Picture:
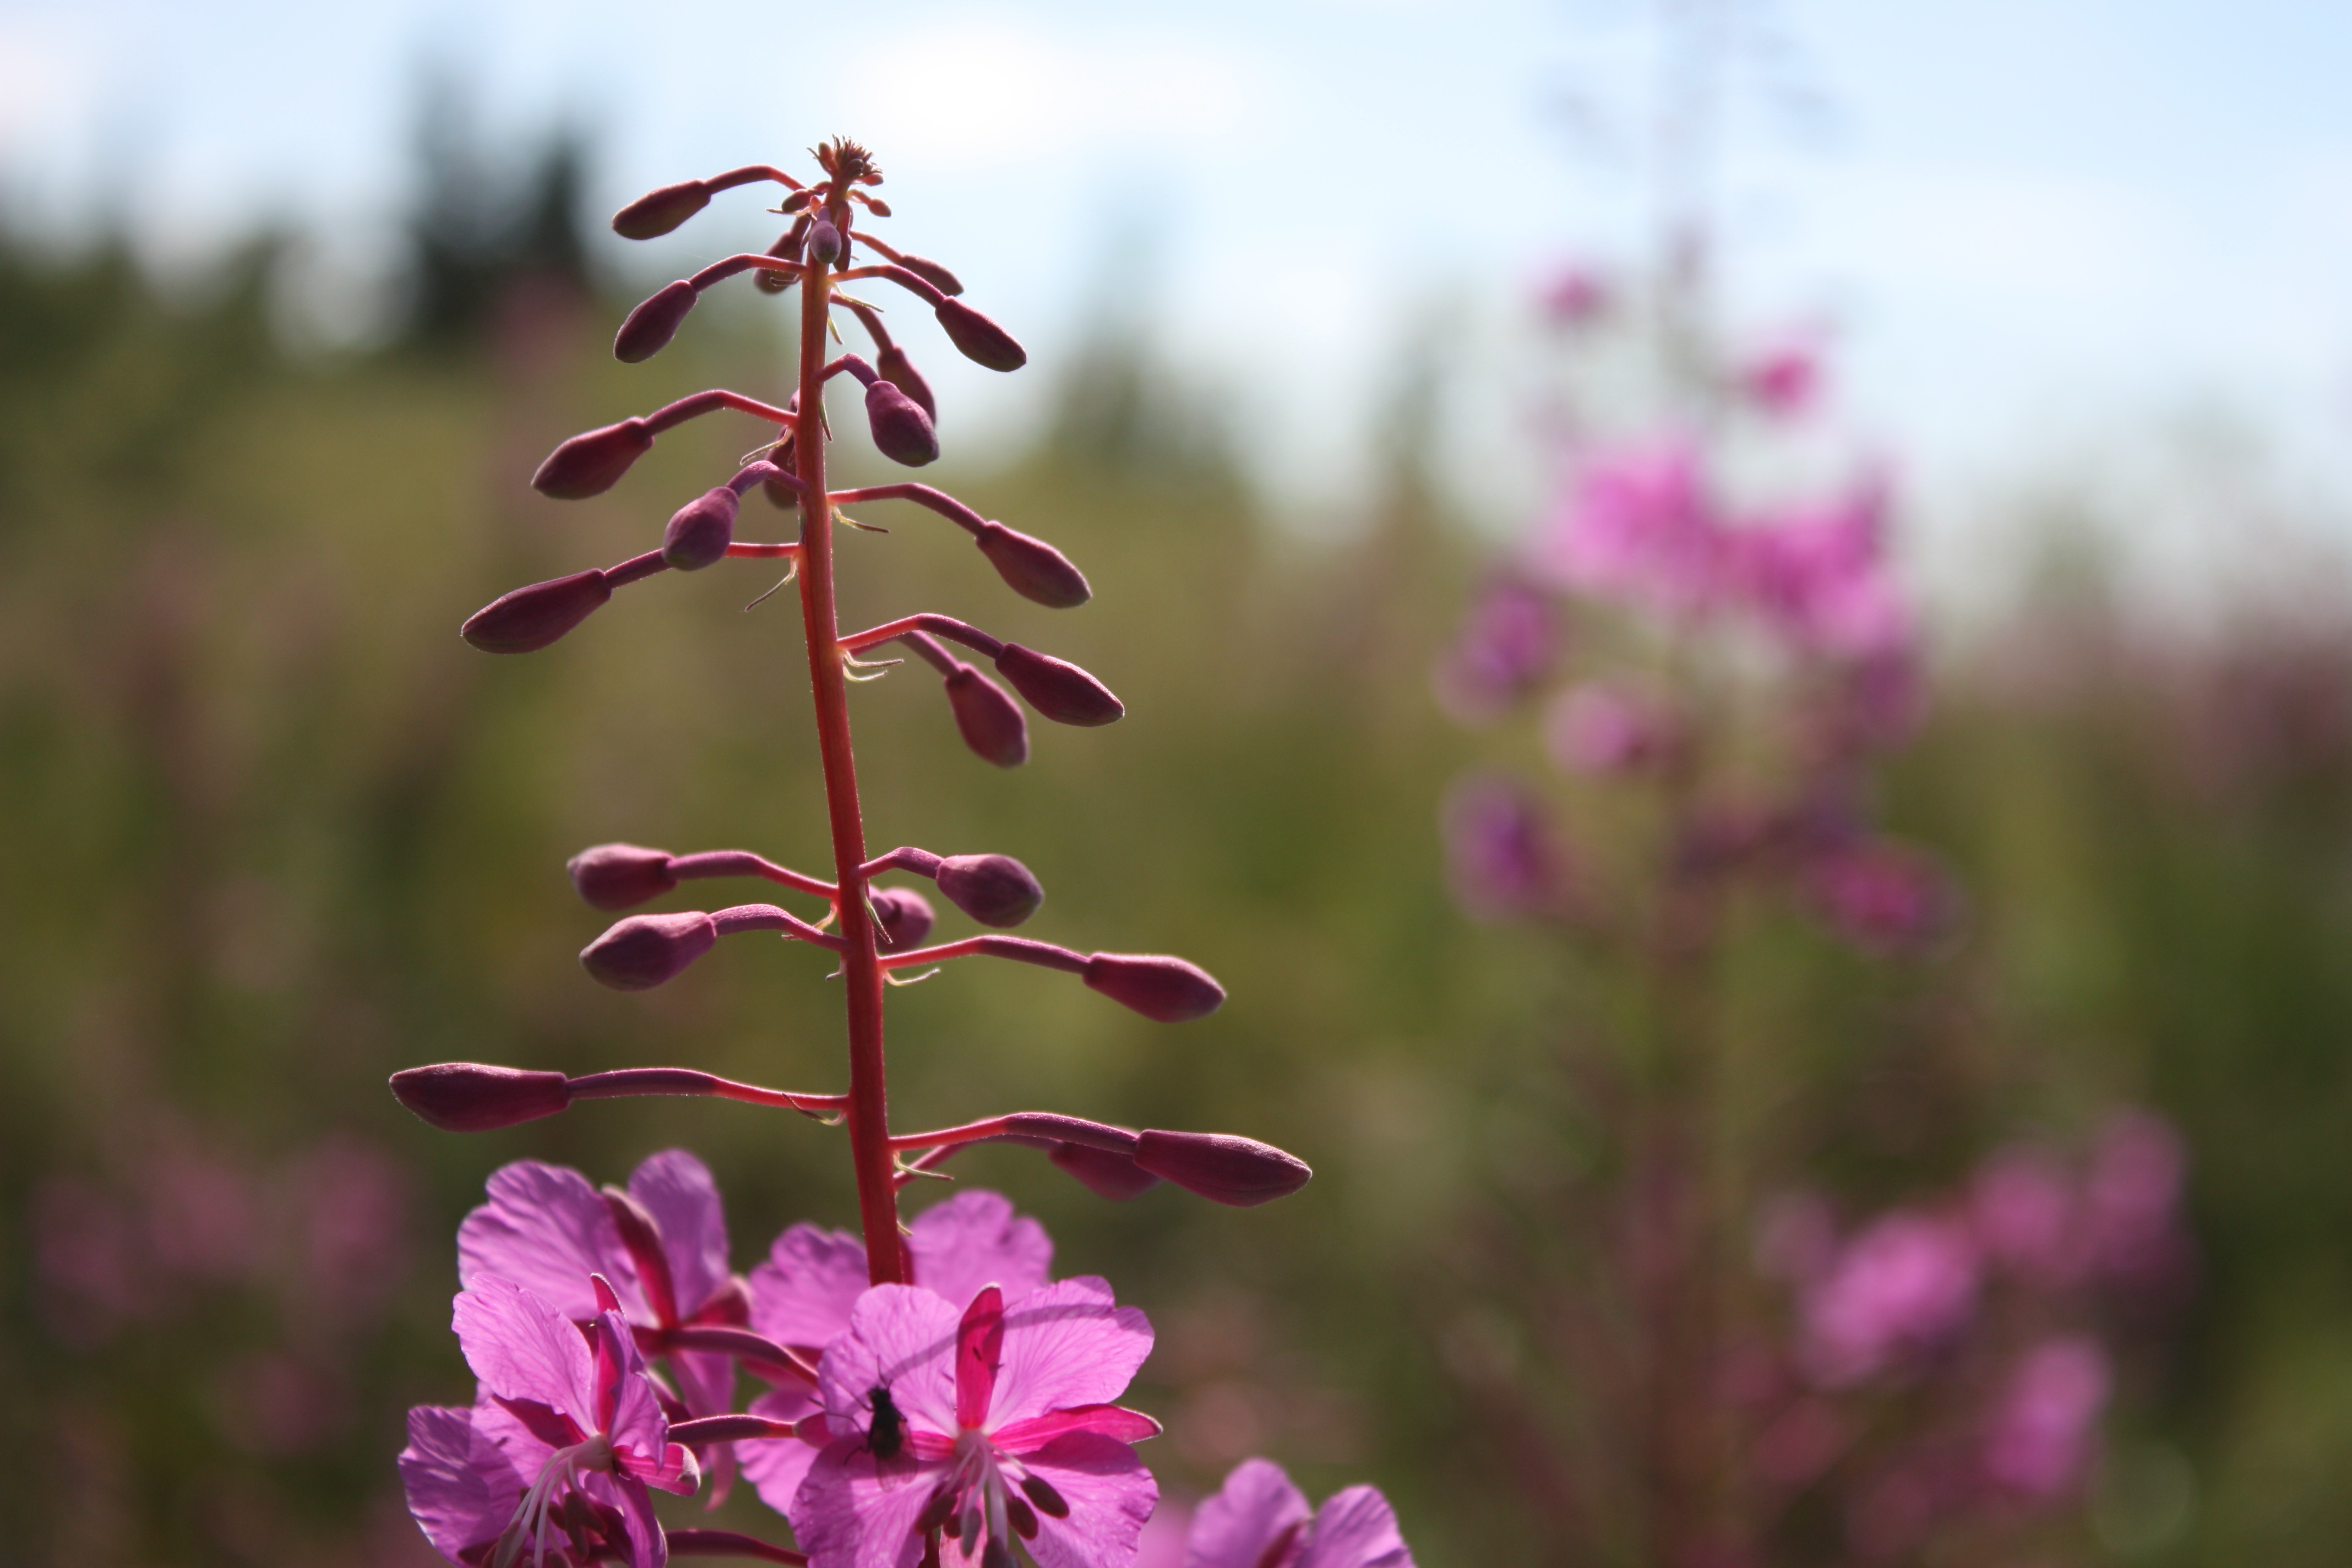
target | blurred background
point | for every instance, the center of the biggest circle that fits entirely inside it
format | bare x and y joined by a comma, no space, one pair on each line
291,303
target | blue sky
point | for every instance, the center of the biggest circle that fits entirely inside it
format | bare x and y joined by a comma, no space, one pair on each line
2041,231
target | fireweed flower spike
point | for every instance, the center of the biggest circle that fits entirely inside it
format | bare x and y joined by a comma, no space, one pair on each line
1258,1520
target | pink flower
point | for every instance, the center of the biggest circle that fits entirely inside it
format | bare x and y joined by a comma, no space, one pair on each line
1258,1520
560,1451
1820,577
801,1297
1575,296
1505,646
1904,1285
1501,852
1164,1535
1604,727
1783,380
2044,1428
1881,897
2131,1200
1638,526
963,1433
2024,1209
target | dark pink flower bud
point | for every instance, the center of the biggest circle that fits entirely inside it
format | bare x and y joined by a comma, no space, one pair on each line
468,1097
900,372
991,722
980,340
1220,1166
640,952
932,272
1033,568
1155,985
658,212
1108,1175
824,242
592,461
905,915
902,431
700,531
995,890
653,322
620,876
530,619
782,495
1056,688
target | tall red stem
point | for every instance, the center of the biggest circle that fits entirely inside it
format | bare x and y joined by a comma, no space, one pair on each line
869,1109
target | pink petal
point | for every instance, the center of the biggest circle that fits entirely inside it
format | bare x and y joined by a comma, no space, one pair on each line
648,1547
851,1513
802,1294
677,1190
706,1382
901,1338
1254,1510
980,1348
1068,1344
1110,1420
461,1486
974,1239
1110,1495
522,1349
547,1229
776,1467
1356,1529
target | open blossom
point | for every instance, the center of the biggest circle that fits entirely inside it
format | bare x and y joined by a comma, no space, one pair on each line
1783,380
1638,525
1819,575
2046,1422
950,1436
1905,1284
554,1462
801,1297
1258,1520
1604,727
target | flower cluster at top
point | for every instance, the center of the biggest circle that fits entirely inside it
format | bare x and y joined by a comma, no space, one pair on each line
934,1398
943,1420
1641,538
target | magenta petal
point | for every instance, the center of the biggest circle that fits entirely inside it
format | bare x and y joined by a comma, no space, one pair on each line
638,1429
1356,1529
522,1348
1109,1420
902,1337
1068,1344
775,1467
545,1228
802,1294
1110,1495
974,1239
648,1547
1254,1510
461,1486
850,1513
980,1349
677,1189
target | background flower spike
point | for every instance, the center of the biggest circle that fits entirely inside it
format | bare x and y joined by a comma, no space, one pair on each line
1222,1167
1108,1175
593,462
621,876
656,213
1057,688
649,328
471,1096
642,951
1155,984
527,619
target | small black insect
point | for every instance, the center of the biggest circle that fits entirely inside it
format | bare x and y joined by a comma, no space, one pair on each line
886,1433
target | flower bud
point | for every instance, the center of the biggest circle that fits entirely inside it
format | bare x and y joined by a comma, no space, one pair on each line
658,212
1033,568
932,272
468,1097
1057,688
995,890
527,619
900,372
1222,1167
782,495
905,915
824,242
991,722
1108,1175
700,531
902,431
653,322
618,876
592,461
980,340
640,952
1155,985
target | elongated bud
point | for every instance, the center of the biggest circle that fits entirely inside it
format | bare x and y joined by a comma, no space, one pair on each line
653,322
700,531
640,952
980,340
527,619
1155,985
469,1096
1108,1175
619,876
900,372
932,272
824,242
906,917
991,722
1056,688
1033,568
902,431
995,890
592,461
658,212
1221,1167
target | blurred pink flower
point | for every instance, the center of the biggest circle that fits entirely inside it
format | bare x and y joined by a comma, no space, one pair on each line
1576,296
1903,1286
1881,897
203,1220
1259,1520
2024,1207
2131,1199
1500,851
1637,526
1505,646
1819,575
1784,380
2045,1423
88,1256
354,1225
1164,1536
1604,728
